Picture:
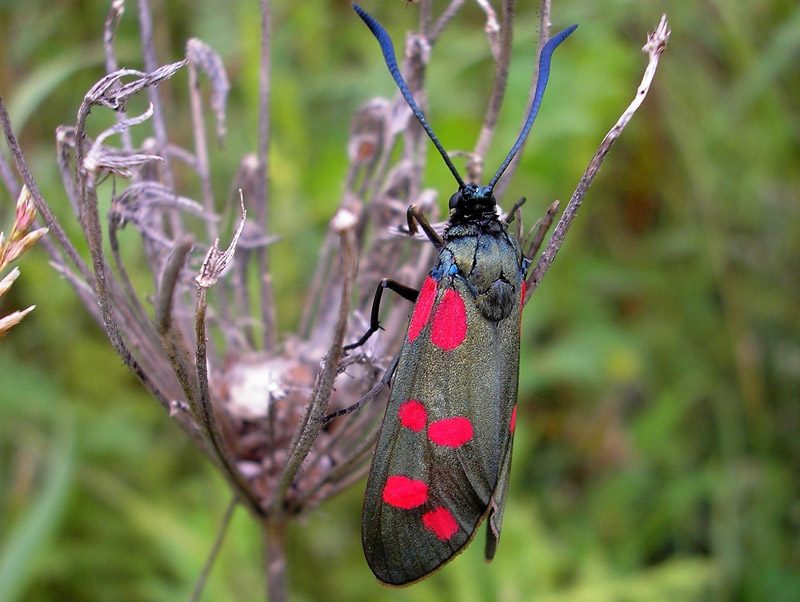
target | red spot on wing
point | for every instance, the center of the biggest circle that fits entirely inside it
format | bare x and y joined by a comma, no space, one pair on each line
413,415
513,424
422,309
450,432
441,522
524,289
403,492
449,327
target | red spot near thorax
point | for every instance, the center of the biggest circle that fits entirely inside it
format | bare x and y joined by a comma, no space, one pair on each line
513,424
440,522
412,415
449,327
422,309
404,492
450,432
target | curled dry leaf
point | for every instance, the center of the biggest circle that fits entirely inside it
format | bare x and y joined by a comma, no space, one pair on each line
107,93
102,158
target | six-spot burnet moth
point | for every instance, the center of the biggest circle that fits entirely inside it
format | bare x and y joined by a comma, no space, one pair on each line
444,450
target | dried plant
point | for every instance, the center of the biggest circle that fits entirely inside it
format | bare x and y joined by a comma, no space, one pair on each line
204,342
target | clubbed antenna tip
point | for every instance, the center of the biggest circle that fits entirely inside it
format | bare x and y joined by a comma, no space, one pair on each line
541,84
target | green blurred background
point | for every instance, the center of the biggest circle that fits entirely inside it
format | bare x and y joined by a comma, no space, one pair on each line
658,448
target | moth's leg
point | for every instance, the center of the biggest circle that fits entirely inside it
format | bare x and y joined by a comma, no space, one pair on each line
414,216
370,395
374,323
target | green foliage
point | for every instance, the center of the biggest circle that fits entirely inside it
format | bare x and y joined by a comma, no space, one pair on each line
657,452
45,437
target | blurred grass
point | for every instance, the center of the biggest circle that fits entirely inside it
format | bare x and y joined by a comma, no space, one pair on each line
657,453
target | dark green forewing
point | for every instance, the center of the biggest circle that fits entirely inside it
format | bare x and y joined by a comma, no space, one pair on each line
444,451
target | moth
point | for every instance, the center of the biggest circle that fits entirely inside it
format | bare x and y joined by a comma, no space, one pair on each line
442,460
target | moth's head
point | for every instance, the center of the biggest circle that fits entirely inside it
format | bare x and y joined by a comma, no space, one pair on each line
472,201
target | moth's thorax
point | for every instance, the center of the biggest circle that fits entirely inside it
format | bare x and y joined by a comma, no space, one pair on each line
488,259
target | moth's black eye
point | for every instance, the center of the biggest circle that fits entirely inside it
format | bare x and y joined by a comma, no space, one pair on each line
454,200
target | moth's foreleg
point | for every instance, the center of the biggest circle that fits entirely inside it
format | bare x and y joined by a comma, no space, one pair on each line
414,216
374,323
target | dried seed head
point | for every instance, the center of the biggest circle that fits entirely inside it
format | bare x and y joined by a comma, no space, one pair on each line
26,212
8,280
14,249
11,320
20,240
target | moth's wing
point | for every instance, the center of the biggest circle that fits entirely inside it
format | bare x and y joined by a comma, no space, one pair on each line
497,504
445,436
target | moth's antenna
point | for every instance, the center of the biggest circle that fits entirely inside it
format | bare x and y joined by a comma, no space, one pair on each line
541,84
391,62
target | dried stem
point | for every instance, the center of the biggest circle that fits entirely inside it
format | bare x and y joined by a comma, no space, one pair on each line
159,122
262,178
492,27
539,230
360,454
219,538
544,35
201,149
425,16
214,266
316,410
275,560
443,20
113,18
41,207
90,221
174,347
209,424
169,280
502,60
7,177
